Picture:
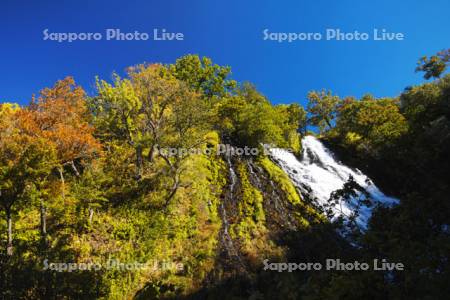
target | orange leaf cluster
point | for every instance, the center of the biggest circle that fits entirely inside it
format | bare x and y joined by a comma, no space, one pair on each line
60,115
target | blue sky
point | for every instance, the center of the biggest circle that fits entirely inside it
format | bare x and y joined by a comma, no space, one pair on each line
231,33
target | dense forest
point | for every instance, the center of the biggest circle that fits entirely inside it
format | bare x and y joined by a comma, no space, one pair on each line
92,180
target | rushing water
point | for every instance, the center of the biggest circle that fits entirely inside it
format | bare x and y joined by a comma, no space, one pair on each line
317,174
229,202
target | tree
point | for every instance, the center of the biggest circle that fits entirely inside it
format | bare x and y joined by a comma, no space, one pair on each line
293,122
202,76
61,116
426,103
297,117
371,122
322,108
117,115
434,66
89,190
152,110
24,160
249,119
171,111
351,194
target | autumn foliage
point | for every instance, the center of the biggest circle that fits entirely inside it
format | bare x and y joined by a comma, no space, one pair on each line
60,115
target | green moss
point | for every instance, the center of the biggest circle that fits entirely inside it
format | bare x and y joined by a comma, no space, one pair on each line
250,227
139,232
282,180
251,203
294,142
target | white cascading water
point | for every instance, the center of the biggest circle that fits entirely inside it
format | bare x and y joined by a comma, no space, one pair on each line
318,174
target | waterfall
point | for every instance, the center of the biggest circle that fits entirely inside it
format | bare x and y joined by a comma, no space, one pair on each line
232,177
227,210
317,174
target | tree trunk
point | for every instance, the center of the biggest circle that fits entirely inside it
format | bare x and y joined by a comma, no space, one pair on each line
173,190
151,153
43,219
74,168
139,162
91,215
63,184
328,123
9,247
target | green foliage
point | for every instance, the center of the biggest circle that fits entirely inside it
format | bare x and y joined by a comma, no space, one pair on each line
116,110
403,144
322,109
426,103
74,198
294,121
297,116
25,160
248,119
371,123
203,76
434,66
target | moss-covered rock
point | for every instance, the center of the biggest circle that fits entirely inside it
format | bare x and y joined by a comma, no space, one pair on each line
305,213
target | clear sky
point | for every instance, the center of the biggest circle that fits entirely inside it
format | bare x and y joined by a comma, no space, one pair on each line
231,33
